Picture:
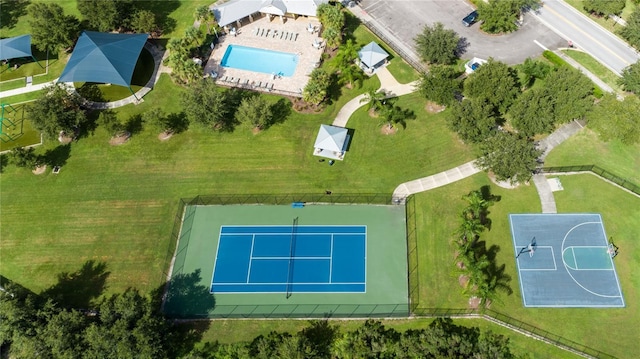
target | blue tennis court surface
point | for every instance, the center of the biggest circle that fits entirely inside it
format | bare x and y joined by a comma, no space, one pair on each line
279,259
570,265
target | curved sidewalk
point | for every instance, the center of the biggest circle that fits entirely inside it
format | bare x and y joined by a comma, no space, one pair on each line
388,83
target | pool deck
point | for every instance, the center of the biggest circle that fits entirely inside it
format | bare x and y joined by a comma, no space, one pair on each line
308,55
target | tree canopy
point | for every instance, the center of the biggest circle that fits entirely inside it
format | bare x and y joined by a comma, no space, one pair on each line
533,112
571,92
473,120
315,92
630,79
255,111
51,29
614,119
437,45
56,110
604,7
206,104
494,82
631,32
500,16
440,84
509,156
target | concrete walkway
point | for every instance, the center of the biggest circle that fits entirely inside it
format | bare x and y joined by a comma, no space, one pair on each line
26,89
468,169
388,84
438,180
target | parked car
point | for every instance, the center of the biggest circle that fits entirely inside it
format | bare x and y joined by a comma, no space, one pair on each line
470,19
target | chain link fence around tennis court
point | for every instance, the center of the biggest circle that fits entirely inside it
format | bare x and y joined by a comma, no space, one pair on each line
599,171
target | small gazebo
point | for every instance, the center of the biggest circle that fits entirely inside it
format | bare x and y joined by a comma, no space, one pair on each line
331,142
371,57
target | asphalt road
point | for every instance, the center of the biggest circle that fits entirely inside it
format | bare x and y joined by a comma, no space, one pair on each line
587,35
406,19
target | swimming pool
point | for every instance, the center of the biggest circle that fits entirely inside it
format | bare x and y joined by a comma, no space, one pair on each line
259,60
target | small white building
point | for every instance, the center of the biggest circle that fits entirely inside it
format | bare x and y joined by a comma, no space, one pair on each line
234,12
332,142
473,64
372,57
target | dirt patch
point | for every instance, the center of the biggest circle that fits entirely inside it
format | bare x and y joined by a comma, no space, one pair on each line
386,130
165,136
474,302
256,130
39,170
373,113
463,280
120,139
432,107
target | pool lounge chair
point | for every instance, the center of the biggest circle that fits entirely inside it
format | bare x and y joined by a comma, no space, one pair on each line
267,34
238,81
225,79
270,87
281,34
286,35
261,32
256,32
246,83
259,84
296,38
231,80
265,86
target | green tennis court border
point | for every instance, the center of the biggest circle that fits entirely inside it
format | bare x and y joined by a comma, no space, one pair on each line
199,220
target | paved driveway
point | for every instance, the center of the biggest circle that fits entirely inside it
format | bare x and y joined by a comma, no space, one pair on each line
405,19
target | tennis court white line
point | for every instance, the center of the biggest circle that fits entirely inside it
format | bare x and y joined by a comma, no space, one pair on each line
286,283
331,259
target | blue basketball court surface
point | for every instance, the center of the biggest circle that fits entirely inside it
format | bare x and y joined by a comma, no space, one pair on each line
279,259
563,260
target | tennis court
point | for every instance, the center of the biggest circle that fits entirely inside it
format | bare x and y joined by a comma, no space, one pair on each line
290,259
277,261
564,260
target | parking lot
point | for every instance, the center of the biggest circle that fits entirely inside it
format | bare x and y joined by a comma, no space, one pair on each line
406,19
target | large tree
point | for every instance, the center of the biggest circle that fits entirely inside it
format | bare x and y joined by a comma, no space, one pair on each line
440,84
630,79
51,29
255,111
500,16
604,7
534,69
104,15
473,120
614,119
509,156
144,21
571,92
55,111
206,104
494,82
437,45
533,112
631,32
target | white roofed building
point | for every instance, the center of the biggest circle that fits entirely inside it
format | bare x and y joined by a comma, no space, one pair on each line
234,12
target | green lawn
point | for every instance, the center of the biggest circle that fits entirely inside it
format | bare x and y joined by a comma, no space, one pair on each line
116,204
585,148
583,193
591,64
21,133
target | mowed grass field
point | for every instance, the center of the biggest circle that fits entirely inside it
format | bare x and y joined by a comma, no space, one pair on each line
115,205
582,193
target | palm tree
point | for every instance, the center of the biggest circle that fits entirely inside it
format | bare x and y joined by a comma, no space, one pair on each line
394,115
375,99
477,204
350,74
347,53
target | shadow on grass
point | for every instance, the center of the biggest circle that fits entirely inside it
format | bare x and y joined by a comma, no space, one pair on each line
57,156
80,288
4,161
11,11
134,124
280,110
161,9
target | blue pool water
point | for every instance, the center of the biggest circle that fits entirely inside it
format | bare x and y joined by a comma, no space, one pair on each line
259,60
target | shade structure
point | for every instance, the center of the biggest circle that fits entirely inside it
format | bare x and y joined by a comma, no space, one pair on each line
104,58
372,55
331,142
15,47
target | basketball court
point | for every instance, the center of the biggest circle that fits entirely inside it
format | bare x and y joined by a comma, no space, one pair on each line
565,260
